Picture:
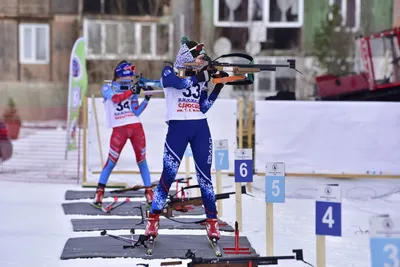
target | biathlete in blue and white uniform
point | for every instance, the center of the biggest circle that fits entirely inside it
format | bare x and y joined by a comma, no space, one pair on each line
187,102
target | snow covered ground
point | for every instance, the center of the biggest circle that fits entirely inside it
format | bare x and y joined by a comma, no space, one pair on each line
34,228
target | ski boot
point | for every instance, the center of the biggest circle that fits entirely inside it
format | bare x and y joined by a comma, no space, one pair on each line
212,227
149,194
98,197
152,225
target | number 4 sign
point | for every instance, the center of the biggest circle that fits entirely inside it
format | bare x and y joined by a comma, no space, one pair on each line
384,241
328,217
243,165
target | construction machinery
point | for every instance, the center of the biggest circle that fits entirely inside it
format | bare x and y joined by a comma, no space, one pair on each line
377,76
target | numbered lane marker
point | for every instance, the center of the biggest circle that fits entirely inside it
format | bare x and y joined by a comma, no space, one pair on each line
384,241
188,151
221,154
328,217
274,193
243,165
275,182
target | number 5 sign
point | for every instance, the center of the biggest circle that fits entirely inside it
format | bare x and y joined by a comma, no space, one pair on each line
384,241
243,165
328,217
275,182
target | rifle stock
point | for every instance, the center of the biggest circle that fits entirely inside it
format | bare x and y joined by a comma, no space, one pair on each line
153,184
197,201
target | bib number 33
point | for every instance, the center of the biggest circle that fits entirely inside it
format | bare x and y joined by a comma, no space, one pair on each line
193,91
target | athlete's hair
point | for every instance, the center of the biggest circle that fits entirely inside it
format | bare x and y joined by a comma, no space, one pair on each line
115,70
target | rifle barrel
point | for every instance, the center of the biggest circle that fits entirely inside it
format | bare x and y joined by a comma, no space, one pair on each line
265,67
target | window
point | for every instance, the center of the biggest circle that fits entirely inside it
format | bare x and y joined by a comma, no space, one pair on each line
34,43
256,13
268,24
125,7
129,40
350,11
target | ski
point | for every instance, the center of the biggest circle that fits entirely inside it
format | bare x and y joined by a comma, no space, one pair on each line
111,206
215,247
116,204
121,238
102,208
112,203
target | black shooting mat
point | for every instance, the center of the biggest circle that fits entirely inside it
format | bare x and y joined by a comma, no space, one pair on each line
127,209
89,194
127,224
167,246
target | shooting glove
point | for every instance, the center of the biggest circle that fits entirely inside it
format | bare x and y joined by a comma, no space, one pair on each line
147,88
205,75
223,74
135,89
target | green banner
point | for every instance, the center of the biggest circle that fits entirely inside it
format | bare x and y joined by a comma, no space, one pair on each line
78,83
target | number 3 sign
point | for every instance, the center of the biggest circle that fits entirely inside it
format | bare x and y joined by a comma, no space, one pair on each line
243,165
384,241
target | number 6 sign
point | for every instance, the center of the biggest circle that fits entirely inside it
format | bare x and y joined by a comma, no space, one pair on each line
243,165
384,241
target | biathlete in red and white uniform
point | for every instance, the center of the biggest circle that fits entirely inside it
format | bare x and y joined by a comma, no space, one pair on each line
122,109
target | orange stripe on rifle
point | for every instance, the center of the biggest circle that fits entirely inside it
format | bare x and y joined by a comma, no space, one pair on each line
228,79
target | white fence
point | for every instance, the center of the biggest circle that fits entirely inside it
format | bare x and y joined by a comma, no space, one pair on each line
222,119
328,138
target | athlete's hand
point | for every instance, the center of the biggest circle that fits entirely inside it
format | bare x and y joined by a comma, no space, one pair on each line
204,76
223,74
136,89
148,88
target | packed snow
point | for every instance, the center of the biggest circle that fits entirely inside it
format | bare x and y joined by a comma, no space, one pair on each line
34,228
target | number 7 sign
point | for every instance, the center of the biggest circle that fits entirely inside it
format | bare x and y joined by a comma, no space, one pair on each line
221,155
328,210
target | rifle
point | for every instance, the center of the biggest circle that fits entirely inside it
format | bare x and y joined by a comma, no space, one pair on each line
243,74
142,83
153,184
245,260
173,203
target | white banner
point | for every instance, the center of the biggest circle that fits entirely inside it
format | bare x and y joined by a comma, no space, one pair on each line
222,120
329,137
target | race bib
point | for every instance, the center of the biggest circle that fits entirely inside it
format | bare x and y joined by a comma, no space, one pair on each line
189,100
123,110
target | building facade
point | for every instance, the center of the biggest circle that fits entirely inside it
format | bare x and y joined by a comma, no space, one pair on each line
38,35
